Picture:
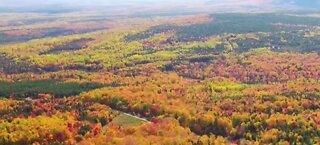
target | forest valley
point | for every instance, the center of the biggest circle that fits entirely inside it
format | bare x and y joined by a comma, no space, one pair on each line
228,78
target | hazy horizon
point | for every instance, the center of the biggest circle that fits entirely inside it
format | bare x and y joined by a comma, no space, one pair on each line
132,5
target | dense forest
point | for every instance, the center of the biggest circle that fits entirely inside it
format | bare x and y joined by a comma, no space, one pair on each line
227,78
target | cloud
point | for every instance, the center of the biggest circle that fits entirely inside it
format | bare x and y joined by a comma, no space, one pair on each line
241,2
256,2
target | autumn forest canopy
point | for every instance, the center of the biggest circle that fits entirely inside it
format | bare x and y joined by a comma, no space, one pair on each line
190,73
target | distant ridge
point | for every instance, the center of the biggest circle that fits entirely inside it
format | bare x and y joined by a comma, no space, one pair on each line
61,6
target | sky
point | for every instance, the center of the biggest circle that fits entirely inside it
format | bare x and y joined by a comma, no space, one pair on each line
90,2
196,4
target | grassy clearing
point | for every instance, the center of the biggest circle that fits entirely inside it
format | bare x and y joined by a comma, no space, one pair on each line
127,121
